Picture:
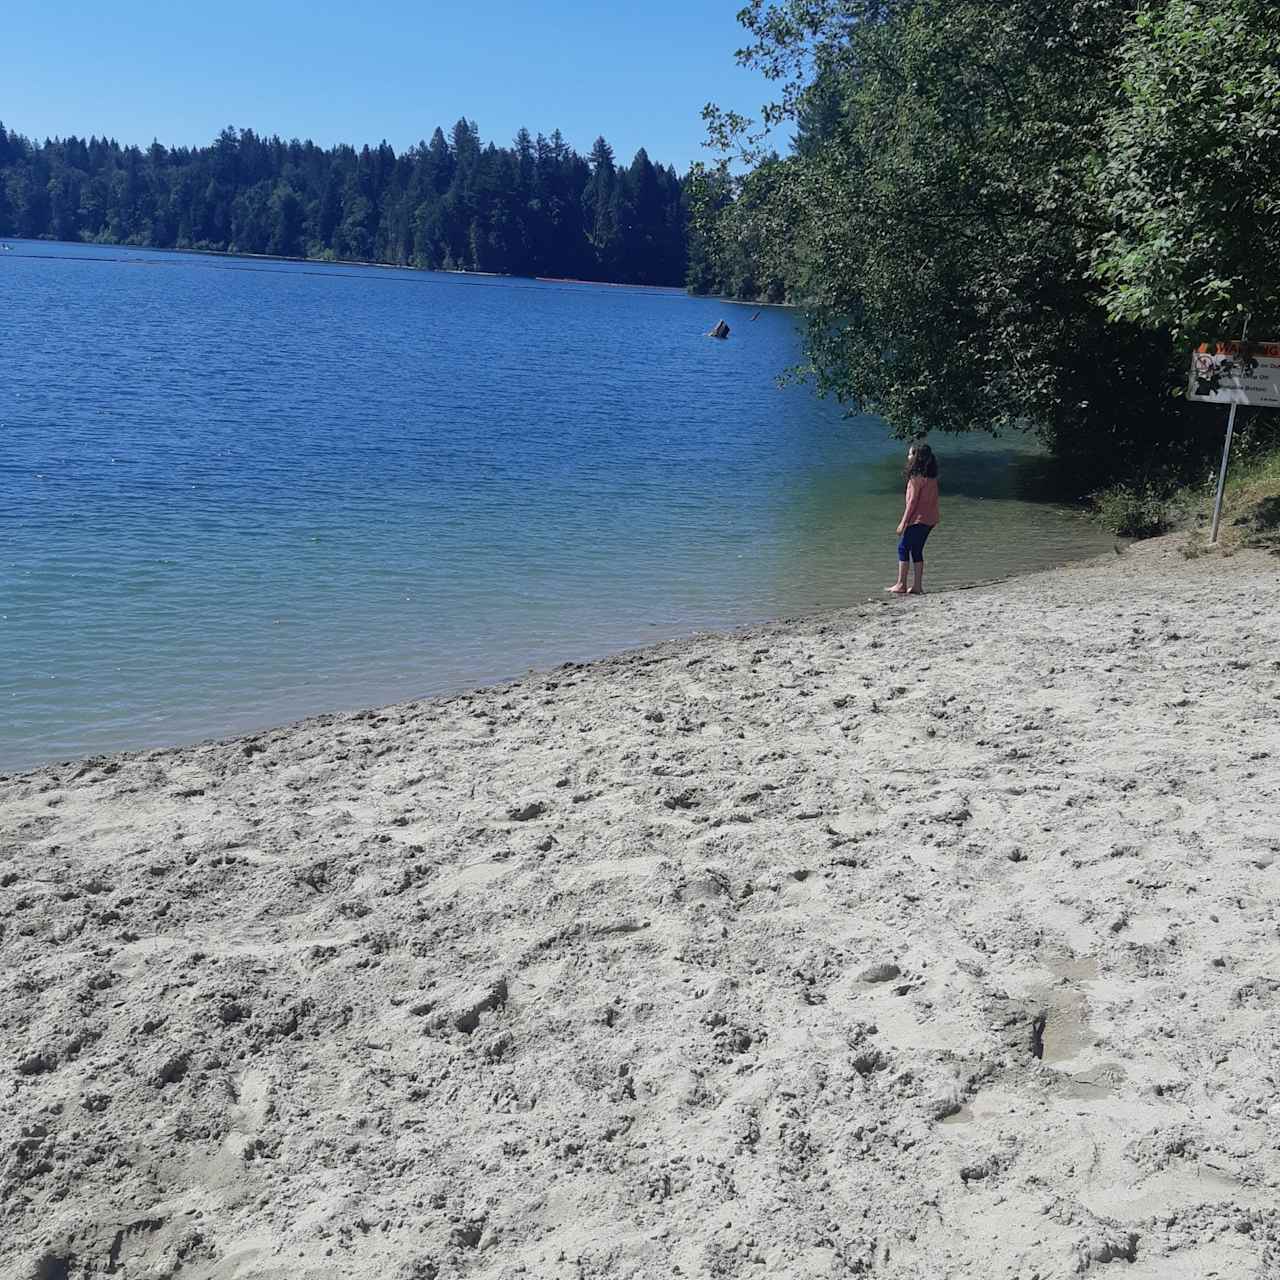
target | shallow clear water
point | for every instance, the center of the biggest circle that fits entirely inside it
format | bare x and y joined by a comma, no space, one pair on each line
236,492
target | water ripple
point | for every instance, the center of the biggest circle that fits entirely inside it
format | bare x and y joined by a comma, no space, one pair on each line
237,493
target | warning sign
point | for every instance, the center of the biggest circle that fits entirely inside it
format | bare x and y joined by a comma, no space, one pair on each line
1236,373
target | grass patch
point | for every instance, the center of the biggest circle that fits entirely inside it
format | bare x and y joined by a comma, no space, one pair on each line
1250,506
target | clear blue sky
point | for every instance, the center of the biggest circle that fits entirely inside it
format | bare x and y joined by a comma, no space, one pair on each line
638,73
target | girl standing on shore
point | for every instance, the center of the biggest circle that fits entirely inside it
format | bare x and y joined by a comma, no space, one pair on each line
918,518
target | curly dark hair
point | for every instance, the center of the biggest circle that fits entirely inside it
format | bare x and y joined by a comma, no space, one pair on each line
921,462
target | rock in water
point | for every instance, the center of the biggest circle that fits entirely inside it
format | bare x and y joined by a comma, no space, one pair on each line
719,330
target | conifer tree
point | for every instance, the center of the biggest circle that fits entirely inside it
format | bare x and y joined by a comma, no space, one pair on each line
536,207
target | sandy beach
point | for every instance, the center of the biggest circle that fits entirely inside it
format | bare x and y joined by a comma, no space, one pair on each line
929,938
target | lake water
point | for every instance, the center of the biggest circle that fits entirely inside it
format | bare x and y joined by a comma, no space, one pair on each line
236,492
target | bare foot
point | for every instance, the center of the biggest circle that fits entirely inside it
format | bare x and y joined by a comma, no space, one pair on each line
915,591
897,589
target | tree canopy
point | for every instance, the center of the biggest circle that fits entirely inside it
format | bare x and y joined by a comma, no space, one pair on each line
1007,215
535,208
1189,176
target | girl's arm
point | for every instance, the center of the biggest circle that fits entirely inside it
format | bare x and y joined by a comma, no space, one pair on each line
911,509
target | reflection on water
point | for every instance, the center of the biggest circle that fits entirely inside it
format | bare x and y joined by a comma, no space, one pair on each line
839,522
243,492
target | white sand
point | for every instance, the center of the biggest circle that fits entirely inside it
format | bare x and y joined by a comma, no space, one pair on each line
936,938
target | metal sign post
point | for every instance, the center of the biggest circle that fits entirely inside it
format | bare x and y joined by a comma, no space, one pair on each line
1222,475
1226,451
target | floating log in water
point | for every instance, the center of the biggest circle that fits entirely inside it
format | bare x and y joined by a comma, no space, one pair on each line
719,330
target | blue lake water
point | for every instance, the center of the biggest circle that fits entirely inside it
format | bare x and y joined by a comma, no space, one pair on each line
236,492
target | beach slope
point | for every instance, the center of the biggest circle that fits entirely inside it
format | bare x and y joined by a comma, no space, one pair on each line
931,938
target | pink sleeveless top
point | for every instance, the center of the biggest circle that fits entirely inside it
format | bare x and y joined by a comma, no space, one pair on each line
922,501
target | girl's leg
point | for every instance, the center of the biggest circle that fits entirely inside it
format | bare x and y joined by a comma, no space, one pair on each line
922,532
899,588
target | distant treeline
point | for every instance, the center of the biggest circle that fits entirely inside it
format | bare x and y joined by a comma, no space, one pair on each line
535,208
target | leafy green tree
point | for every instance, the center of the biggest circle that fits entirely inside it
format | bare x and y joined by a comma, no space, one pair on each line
938,218
819,112
710,193
743,249
1190,175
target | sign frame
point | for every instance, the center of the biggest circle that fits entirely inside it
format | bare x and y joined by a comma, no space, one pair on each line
1252,373
1241,372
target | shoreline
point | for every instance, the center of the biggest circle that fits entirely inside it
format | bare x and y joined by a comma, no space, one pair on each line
350,262
920,937
637,650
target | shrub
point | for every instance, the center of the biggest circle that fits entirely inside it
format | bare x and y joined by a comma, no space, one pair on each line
1132,511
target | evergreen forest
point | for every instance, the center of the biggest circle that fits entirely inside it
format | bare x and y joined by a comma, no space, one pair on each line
1010,215
534,208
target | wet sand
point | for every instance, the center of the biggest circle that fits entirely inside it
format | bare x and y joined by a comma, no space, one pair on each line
928,938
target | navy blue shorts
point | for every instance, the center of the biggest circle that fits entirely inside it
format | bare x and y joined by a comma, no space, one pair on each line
911,547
